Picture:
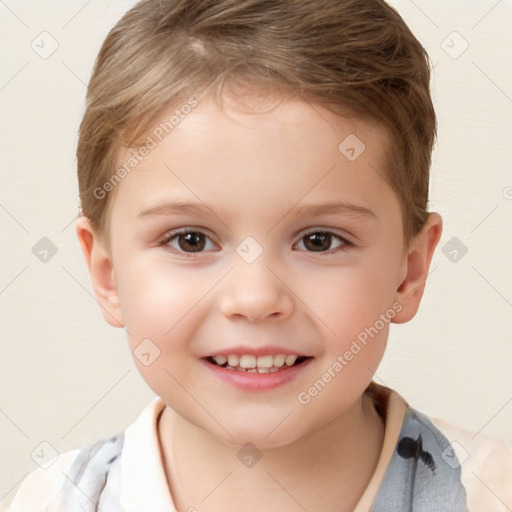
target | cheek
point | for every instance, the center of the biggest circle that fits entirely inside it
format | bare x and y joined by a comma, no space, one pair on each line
347,300
156,295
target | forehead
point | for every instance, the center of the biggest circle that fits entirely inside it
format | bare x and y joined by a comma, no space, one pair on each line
282,151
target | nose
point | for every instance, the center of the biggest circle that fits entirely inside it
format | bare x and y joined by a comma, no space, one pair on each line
254,292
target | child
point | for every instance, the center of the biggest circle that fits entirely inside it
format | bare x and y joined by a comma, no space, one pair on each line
254,185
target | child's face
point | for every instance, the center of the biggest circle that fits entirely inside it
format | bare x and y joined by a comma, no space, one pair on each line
264,196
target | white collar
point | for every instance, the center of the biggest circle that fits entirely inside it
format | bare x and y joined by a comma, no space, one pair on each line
144,484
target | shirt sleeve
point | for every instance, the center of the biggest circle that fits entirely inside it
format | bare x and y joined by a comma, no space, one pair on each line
486,468
39,486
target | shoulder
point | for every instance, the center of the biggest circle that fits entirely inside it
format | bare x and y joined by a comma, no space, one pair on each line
486,467
74,480
39,486
100,468
452,468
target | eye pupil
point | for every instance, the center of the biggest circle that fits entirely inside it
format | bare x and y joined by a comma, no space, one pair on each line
318,241
191,242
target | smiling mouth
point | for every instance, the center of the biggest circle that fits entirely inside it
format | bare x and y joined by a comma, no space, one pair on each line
259,364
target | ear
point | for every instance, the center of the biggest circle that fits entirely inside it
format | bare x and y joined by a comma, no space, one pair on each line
101,270
417,264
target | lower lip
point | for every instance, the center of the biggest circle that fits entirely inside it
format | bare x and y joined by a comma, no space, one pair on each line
249,381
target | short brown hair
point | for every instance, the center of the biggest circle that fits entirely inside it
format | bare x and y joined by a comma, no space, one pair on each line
355,54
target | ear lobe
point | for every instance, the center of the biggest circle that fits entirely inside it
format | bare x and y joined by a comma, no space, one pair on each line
101,270
420,253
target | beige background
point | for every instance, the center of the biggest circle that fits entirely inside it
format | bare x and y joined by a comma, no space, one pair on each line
68,378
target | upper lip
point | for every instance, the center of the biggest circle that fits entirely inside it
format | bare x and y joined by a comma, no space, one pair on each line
260,351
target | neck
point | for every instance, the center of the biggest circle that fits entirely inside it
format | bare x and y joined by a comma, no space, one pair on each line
328,469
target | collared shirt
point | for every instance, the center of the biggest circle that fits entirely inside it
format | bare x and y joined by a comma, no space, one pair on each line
425,465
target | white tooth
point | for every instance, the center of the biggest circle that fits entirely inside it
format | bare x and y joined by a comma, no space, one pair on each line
220,360
263,370
251,370
233,360
290,360
247,361
279,360
229,368
273,369
265,361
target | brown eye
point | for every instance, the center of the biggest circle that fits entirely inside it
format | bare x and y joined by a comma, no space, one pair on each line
318,241
189,242
321,241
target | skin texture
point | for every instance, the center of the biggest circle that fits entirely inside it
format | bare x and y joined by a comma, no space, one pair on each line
254,167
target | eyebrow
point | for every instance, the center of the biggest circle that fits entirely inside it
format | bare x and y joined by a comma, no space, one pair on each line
333,208
200,209
175,207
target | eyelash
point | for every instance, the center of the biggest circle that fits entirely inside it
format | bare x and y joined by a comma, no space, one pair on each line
345,244
174,234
